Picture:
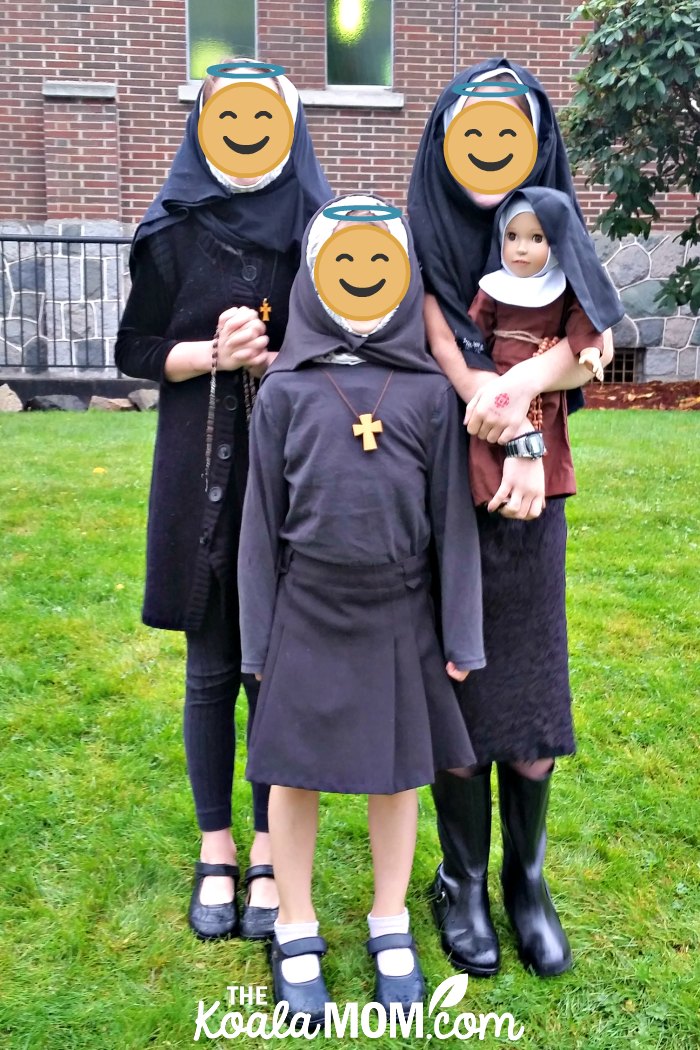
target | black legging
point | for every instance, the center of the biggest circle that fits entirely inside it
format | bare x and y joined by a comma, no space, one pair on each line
213,679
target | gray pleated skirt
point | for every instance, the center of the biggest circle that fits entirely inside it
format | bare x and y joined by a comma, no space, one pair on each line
518,707
355,697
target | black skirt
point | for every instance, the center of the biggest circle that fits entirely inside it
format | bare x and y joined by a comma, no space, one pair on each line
355,697
518,707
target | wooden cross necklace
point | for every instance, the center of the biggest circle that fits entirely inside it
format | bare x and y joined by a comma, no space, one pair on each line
367,426
249,273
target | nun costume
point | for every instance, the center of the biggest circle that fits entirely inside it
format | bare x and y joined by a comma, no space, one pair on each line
518,709
334,585
205,245
452,233
333,564
571,296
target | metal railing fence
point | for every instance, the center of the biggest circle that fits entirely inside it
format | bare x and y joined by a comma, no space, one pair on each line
60,301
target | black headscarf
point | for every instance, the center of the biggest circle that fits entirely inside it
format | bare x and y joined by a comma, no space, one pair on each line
273,217
573,248
452,233
311,332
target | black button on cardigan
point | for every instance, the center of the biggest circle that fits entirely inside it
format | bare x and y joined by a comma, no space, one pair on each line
182,280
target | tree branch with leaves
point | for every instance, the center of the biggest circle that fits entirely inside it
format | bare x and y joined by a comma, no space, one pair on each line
634,124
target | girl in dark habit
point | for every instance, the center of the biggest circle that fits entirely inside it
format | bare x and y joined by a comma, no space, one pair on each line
517,717
214,254
335,604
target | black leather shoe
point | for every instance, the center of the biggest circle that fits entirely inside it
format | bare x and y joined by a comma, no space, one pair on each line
459,893
305,997
258,924
402,990
213,921
543,946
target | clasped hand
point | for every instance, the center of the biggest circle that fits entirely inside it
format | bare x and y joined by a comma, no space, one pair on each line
242,339
498,413
521,492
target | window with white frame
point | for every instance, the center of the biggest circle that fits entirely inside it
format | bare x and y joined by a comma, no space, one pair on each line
359,42
216,28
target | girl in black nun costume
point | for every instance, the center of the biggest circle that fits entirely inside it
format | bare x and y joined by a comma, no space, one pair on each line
210,252
335,603
523,550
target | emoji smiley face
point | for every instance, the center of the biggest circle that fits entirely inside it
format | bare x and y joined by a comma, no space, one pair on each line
246,129
490,147
362,272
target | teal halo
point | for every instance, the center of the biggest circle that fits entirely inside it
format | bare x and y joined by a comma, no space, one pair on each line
378,211
270,70
479,89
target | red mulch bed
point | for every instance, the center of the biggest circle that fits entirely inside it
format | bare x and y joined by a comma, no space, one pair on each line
683,396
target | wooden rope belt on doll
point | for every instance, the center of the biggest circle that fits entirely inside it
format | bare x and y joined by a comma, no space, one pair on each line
534,413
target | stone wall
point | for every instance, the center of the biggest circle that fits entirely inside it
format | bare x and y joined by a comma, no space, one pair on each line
669,336
43,328
60,303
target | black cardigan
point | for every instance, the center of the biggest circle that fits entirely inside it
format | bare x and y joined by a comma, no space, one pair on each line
182,281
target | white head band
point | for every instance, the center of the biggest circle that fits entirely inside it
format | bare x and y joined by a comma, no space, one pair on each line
322,229
291,96
461,100
505,286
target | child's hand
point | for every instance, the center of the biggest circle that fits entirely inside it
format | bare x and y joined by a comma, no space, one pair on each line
497,410
258,678
452,671
590,357
521,492
260,367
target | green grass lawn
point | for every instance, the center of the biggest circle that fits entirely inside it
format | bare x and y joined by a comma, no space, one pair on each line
96,821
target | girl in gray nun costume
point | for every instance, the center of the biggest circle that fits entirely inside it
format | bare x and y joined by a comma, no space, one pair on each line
336,614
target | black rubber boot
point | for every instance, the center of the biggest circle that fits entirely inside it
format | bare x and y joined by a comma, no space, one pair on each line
460,901
542,944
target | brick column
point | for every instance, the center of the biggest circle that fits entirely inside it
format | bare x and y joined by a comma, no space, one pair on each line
81,149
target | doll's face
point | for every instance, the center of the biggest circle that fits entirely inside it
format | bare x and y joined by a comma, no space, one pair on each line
525,247
362,273
245,129
490,147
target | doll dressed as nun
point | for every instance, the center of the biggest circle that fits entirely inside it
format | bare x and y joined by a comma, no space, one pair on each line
357,468
550,284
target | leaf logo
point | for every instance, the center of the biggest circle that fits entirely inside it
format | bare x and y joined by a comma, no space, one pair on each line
453,989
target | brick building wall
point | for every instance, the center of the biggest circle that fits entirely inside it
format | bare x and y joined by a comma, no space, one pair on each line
105,156
93,105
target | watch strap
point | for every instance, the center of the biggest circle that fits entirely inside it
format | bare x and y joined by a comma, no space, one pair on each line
527,446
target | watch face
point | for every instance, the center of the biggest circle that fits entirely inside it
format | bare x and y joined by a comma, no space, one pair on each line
534,445
527,446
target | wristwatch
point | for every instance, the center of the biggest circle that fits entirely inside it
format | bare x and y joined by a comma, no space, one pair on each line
527,446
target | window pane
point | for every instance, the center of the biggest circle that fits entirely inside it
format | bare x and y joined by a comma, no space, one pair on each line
359,42
218,28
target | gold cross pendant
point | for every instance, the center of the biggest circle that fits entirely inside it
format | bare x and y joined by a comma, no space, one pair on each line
265,310
366,429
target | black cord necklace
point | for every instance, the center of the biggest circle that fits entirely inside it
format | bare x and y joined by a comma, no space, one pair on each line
367,426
